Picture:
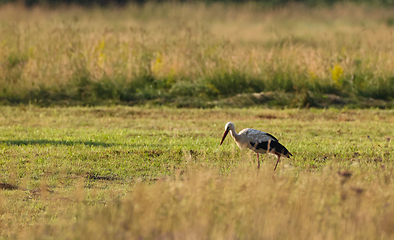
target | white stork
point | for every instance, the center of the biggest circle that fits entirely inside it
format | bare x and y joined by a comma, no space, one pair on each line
257,141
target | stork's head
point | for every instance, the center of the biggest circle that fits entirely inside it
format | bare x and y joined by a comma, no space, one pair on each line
229,126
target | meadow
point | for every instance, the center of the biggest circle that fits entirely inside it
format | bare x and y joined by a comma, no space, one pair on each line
155,170
159,173
198,55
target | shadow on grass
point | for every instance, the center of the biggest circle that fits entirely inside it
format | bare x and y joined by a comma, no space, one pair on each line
57,142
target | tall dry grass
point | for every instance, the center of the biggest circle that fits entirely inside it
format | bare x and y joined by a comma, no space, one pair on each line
245,204
165,51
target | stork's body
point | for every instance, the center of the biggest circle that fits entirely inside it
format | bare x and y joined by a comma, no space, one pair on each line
257,141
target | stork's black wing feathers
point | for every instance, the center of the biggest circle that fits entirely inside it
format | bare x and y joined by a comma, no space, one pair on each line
272,136
274,146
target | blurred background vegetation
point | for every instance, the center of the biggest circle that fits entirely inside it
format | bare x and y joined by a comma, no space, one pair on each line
30,3
197,54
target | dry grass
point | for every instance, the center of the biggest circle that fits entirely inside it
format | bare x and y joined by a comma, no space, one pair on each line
166,50
251,205
244,204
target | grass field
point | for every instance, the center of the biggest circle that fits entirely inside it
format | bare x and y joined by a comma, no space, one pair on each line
137,173
197,55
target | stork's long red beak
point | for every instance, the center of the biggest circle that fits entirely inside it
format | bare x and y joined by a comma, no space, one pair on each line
224,136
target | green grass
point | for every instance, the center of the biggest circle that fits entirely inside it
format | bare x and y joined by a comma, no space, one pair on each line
130,173
196,55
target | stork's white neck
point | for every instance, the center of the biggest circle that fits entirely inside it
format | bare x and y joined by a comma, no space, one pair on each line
234,134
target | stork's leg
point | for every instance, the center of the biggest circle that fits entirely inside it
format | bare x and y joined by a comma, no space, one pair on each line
277,161
258,161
